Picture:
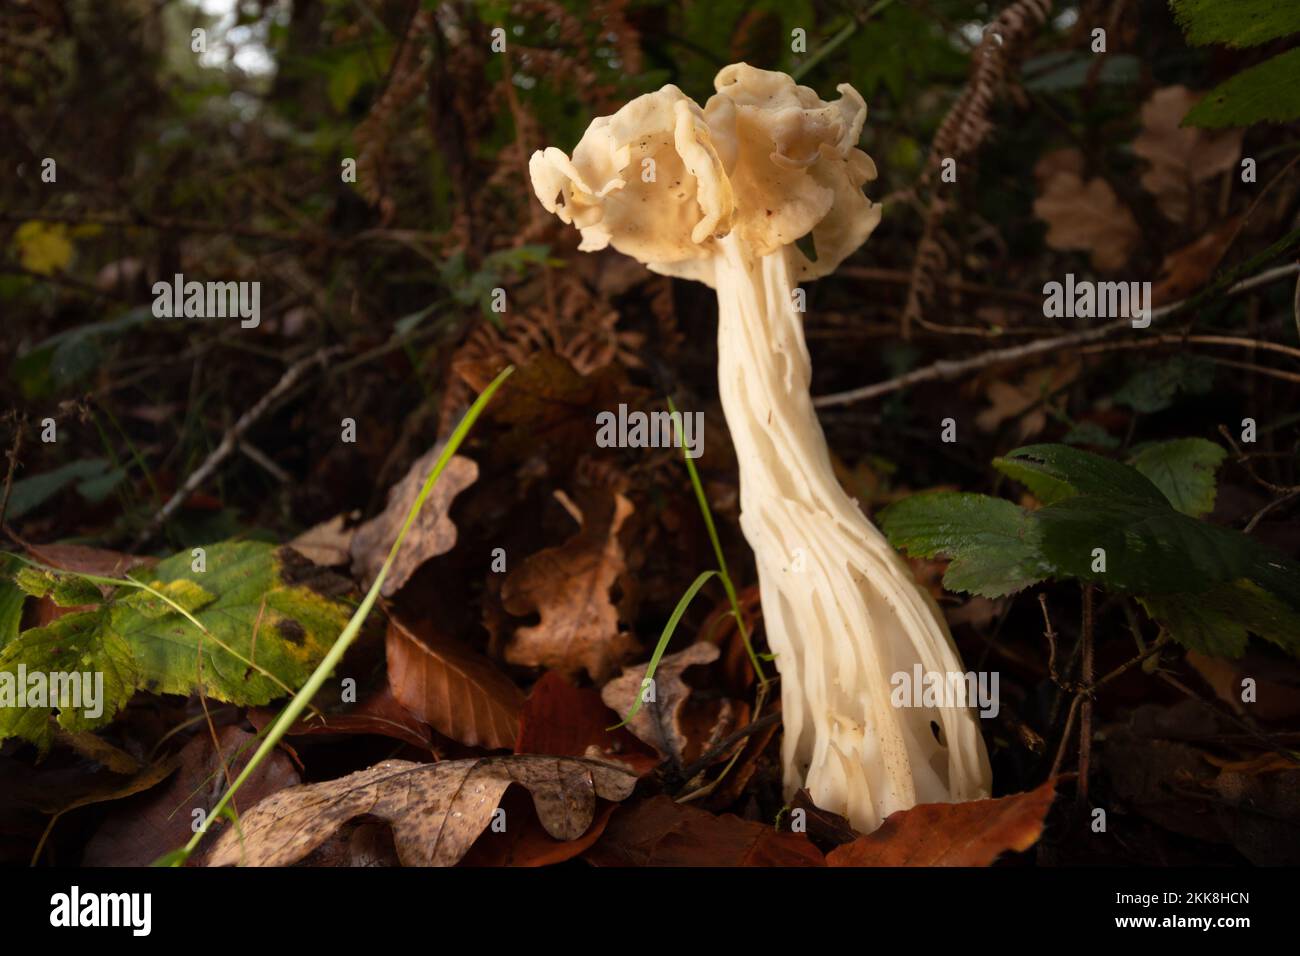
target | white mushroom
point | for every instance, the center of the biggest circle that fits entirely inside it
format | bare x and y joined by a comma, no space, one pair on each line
720,195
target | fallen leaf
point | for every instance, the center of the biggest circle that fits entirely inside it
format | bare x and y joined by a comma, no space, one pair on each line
1277,682
437,810
568,586
329,543
80,559
378,713
567,721
432,533
140,831
527,844
1185,270
952,834
662,832
662,722
1008,401
1180,157
1087,217
456,690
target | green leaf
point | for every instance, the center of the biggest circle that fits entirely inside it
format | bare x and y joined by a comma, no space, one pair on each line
1219,621
1183,469
1057,472
1267,93
1149,547
263,632
1154,388
992,543
1238,23
12,598
83,644
31,493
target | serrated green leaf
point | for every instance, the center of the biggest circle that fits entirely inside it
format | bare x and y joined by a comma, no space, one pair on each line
72,591
265,633
1149,547
1267,93
1057,472
12,598
1219,621
81,644
34,582
1183,469
1238,23
1156,387
991,542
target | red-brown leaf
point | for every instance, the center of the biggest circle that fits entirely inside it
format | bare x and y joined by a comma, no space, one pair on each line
662,832
560,719
457,691
952,834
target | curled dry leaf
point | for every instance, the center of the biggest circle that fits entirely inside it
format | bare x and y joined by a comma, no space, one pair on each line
1030,396
952,834
328,544
662,722
1185,270
139,831
568,586
432,533
662,832
1086,216
459,692
1180,157
437,810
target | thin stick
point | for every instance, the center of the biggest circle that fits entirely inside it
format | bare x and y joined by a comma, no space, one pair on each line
230,441
946,369
1085,730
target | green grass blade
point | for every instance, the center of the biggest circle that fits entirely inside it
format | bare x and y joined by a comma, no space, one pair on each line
727,584
664,638
299,703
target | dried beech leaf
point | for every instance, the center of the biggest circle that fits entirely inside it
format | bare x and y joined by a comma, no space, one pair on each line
1180,157
459,692
437,810
662,832
1087,217
952,834
1185,270
432,533
568,586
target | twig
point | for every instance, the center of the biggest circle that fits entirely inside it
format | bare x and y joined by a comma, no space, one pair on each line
14,451
946,369
230,441
723,746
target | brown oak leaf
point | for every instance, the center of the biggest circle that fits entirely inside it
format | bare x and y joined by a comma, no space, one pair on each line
665,722
1087,216
432,533
437,810
568,586
1180,157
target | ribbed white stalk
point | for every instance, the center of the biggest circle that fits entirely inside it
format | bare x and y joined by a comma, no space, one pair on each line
841,609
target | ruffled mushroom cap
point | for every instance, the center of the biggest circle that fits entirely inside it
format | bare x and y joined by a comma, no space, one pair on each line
766,158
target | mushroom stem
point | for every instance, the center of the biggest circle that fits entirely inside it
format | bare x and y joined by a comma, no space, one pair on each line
841,609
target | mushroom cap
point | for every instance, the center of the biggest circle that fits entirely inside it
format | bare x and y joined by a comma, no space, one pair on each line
661,180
